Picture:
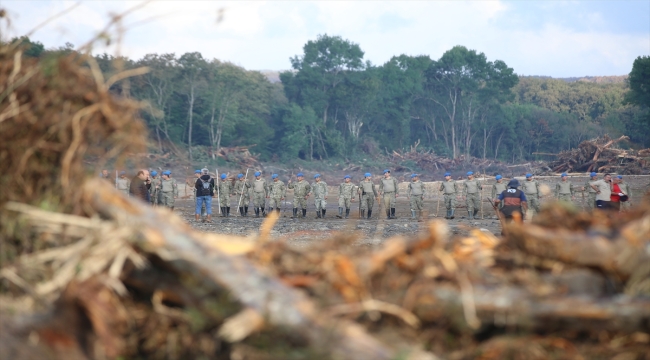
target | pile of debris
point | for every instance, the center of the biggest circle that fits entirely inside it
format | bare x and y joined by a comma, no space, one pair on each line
238,155
600,155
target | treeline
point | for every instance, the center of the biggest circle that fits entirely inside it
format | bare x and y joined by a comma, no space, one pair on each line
333,104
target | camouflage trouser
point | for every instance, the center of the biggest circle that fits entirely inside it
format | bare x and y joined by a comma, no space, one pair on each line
259,199
345,202
417,202
533,202
224,200
125,192
625,205
564,197
389,200
299,202
245,200
591,201
154,197
367,201
275,202
320,204
473,201
167,199
450,201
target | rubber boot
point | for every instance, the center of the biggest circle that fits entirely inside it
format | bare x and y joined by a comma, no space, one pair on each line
323,213
317,214
227,211
369,213
263,212
413,214
363,214
448,214
197,217
295,213
223,211
209,218
347,213
257,212
451,213
470,214
277,211
476,214
392,213
387,214
304,213
245,210
340,215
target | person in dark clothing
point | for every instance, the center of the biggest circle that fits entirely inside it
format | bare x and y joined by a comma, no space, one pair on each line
140,185
514,200
204,186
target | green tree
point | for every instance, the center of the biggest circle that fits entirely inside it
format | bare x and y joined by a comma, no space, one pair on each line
192,73
639,82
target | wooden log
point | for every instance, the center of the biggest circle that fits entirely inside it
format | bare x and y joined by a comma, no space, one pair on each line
280,305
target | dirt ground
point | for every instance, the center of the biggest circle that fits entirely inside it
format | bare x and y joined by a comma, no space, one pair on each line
302,232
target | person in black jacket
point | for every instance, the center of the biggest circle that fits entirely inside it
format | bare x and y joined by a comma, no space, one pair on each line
513,201
140,185
204,186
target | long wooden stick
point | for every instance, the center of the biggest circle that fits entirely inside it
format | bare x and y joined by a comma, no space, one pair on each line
438,206
242,190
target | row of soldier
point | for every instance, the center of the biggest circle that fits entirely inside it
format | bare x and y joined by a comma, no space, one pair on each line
160,190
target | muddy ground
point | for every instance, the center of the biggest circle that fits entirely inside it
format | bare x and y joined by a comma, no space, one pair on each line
302,232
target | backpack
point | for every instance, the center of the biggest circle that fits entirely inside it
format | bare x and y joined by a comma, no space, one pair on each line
206,188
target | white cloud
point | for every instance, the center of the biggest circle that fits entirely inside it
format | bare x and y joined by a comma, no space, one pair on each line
264,34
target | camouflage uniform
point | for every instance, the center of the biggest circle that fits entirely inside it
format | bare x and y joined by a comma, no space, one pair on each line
225,190
497,189
278,192
625,188
368,192
123,185
389,190
320,191
300,190
564,191
155,192
415,193
346,192
591,194
531,190
169,190
260,192
449,189
472,197
243,192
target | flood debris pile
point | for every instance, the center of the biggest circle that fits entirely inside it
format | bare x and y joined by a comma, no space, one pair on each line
601,155
239,155
115,278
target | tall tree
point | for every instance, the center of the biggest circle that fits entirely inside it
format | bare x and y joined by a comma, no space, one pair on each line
193,70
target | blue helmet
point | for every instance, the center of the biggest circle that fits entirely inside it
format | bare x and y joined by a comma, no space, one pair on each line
300,174
620,176
347,177
154,173
167,172
316,176
593,174
386,171
223,176
447,174
529,175
498,177
274,176
122,172
257,173
197,171
563,175
367,174
470,173
239,176
413,175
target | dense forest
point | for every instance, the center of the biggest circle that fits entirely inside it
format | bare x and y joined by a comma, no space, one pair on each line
333,105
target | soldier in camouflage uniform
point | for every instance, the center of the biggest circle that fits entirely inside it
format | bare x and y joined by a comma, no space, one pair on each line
320,191
564,189
472,195
346,196
368,193
591,193
497,189
415,193
278,193
168,189
449,188
625,189
260,194
225,192
301,191
531,190
154,190
123,184
388,190
242,190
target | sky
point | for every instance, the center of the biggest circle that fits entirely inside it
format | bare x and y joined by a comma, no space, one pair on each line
551,38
